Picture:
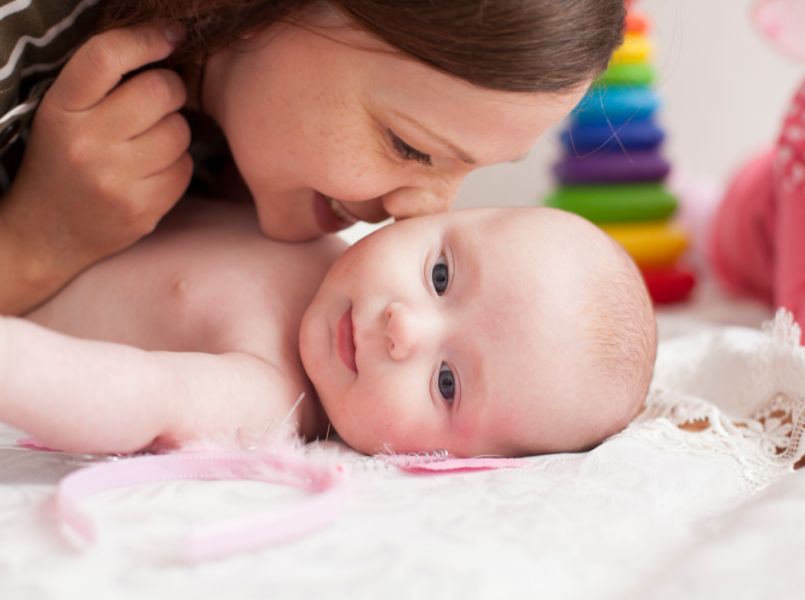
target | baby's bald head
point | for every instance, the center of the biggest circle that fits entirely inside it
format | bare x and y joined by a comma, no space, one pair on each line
600,335
620,338
493,331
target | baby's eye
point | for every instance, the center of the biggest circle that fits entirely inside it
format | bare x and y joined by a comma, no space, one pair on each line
408,152
440,275
447,383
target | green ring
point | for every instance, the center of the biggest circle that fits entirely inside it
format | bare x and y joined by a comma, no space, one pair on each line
622,203
628,74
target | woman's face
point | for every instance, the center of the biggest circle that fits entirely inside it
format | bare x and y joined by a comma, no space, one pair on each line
328,125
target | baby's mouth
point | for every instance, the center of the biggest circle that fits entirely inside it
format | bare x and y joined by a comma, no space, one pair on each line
345,340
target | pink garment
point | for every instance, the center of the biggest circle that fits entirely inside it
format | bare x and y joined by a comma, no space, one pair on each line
757,243
741,248
789,180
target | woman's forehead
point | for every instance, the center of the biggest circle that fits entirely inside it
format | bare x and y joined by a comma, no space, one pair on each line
494,125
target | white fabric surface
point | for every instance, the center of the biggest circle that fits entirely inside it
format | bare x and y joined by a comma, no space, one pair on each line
656,511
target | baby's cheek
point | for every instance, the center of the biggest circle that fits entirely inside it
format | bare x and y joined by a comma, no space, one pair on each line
377,425
405,433
377,422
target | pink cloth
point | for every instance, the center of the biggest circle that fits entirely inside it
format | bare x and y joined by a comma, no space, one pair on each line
757,243
741,239
789,179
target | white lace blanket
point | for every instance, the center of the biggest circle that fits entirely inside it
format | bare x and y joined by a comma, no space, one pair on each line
667,509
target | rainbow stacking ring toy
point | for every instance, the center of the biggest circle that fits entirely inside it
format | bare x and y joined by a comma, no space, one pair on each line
610,167
616,104
626,203
669,284
632,135
650,244
628,74
612,170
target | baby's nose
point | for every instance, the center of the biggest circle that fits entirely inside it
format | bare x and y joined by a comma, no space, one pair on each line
404,330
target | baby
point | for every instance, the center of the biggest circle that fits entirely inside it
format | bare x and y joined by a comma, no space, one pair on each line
494,331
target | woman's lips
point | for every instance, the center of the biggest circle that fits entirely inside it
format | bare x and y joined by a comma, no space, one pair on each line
330,214
345,340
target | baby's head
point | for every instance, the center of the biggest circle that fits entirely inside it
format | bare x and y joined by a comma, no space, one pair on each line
494,331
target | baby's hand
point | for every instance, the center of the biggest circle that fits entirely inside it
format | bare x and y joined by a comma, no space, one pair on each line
105,160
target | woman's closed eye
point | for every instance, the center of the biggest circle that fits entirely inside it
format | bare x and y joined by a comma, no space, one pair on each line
408,152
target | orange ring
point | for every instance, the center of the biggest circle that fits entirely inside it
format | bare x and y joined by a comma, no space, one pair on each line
637,22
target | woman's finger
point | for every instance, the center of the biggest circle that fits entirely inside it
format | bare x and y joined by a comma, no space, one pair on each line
161,146
162,190
141,102
99,65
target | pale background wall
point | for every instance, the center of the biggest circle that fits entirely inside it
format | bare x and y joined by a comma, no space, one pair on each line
723,91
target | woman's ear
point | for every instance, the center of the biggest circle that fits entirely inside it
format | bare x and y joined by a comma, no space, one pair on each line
782,22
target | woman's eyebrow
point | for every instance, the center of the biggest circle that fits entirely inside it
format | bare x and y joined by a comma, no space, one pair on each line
463,156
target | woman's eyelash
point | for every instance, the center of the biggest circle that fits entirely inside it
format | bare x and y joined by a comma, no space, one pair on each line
407,152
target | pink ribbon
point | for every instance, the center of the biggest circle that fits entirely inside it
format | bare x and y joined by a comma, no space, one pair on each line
326,483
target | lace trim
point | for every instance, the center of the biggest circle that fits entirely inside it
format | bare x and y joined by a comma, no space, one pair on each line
767,440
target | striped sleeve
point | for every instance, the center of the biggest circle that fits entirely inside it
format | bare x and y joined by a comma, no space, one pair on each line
36,39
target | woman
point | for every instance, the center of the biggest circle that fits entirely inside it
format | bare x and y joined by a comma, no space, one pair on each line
332,112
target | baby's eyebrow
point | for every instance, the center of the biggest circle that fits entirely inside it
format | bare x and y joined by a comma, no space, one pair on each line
462,155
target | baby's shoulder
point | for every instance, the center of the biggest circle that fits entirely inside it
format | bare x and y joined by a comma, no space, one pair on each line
206,281
225,284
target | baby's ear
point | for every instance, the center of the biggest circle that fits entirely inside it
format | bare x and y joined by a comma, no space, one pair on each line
782,22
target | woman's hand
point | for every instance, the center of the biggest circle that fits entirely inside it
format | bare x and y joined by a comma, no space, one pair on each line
105,161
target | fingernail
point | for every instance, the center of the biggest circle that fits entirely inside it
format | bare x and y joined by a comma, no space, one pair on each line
174,32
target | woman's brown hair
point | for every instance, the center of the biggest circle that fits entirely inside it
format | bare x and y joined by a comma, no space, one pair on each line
511,45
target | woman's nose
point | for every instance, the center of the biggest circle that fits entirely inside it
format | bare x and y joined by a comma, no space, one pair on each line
403,330
411,202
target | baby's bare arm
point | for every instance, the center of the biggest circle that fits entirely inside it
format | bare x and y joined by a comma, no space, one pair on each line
89,396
